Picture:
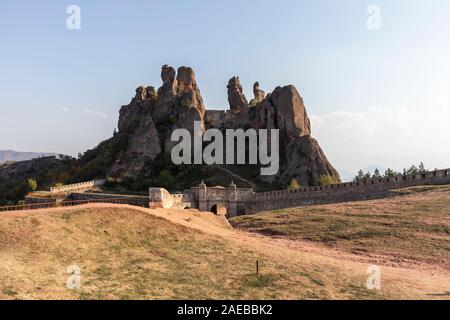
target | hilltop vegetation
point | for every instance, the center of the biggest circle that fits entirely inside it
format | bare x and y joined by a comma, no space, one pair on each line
389,173
14,177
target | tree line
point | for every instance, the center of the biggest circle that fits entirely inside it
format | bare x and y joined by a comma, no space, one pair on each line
389,173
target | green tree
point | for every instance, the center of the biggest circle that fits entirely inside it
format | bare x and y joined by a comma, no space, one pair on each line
376,174
359,177
294,185
390,173
422,168
32,184
327,179
412,170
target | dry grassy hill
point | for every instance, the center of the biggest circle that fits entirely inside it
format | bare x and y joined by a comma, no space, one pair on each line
132,253
410,229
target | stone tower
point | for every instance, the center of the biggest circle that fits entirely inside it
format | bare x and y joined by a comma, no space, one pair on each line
202,200
232,198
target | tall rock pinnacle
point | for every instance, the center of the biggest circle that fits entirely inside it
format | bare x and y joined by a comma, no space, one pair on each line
236,97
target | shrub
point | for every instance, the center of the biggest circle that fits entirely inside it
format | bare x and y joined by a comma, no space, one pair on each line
327,179
32,184
294,185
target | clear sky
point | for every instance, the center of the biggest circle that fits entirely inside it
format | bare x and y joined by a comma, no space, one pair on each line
374,96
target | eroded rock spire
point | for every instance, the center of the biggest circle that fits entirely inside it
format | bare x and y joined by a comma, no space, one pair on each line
236,97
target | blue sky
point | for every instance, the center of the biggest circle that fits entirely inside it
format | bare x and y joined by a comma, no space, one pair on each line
374,96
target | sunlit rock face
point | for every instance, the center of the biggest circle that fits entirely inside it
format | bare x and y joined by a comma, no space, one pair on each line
151,117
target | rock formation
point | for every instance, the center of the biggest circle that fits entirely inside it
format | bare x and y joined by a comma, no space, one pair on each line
300,155
167,94
137,128
189,106
151,92
149,119
259,94
236,97
146,124
138,155
141,94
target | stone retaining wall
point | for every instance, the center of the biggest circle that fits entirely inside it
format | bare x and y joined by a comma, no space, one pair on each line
29,200
351,191
140,201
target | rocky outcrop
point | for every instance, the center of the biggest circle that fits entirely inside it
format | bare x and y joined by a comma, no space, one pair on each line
236,97
167,94
148,121
141,94
304,160
300,155
146,124
137,128
139,153
189,106
258,93
292,119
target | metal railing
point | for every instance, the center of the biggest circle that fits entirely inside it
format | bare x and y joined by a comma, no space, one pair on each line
72,203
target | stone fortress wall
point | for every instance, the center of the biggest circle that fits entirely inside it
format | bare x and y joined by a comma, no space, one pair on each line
343,192
160,198
34,200
46,202
77,186
241,201
140,201
234,199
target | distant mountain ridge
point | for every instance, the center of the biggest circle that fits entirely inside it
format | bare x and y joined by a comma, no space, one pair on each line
11,155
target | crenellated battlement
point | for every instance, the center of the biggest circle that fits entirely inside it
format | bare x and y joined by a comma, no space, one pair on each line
77,186
342,192
432,177
240,201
